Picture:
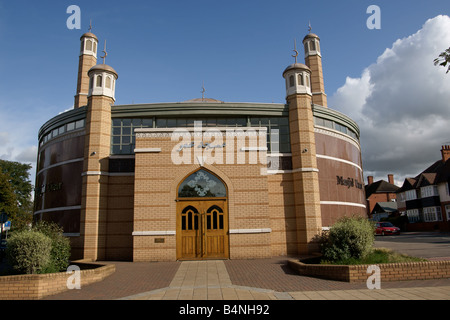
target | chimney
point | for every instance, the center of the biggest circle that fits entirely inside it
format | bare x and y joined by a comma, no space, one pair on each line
369,180
391,178
445,151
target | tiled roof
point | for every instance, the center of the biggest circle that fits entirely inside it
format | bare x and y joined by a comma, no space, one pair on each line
437,173
380,186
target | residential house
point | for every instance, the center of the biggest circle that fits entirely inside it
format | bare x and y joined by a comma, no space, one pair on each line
425,199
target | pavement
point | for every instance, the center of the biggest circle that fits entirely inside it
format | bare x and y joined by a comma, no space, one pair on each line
256,279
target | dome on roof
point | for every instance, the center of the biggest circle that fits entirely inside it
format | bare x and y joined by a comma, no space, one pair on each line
311,35
89,35
296,66
204,100
103,67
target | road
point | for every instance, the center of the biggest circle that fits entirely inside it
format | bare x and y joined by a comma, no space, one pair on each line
417,244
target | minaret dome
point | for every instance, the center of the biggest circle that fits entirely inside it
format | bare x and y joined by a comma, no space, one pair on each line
89,43
298,79
102,81
86,60
311,42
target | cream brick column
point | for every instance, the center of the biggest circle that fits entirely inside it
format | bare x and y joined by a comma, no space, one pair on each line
304,164
94,198
313,59
87,59
95,179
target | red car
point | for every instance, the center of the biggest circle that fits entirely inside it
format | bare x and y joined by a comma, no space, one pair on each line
385,228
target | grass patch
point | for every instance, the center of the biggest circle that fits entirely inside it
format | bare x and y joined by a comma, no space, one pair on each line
376,256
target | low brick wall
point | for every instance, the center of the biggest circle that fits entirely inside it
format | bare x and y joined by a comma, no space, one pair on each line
388,271
38,286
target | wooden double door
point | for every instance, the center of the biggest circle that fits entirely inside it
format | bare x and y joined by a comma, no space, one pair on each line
202,229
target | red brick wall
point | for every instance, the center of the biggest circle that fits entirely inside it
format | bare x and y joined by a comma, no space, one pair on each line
388,271
32,287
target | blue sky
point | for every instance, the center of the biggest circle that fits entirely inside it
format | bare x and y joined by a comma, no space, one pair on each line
164,50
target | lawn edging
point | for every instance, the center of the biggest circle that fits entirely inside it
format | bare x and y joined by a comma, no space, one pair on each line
38,286
424,270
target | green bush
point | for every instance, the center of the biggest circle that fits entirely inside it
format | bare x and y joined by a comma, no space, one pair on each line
28,251
349,237
60,247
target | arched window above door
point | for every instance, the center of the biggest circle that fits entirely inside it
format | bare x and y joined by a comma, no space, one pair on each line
202,184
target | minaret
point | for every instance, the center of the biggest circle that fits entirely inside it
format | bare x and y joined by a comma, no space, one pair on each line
303,149
102,81
313,59
87,59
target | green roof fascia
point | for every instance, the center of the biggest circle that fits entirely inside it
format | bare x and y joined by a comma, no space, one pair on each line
61,119
186,109
330,114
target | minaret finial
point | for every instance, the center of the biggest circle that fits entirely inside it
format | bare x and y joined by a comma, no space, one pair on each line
104,51
203,90
309,27
295,50
90,25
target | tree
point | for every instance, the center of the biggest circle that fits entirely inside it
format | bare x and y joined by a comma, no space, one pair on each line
15,177
8,201
443,59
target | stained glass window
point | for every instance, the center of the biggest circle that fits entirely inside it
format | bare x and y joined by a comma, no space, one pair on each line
202,184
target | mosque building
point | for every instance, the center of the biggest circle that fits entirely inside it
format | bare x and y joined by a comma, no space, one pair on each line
198,179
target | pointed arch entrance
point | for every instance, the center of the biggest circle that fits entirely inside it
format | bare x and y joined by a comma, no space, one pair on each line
202,217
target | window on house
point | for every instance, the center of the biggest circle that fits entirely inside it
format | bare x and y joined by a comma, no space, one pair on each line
300,79
202,184
413,215
71,126
123,135
428,191
431,214
411,195
79,124
99,81
108,82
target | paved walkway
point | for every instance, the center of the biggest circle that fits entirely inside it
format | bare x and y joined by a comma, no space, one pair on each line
209,280
259,279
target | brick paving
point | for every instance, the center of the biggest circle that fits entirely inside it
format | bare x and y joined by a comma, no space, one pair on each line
130,278
274,274
257,279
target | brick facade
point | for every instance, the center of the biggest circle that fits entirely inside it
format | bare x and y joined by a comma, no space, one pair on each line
133,213
155,194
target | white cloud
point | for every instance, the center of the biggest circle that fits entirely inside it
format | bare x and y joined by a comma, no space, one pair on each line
27,155
402,104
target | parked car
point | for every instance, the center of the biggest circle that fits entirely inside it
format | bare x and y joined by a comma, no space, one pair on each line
385,228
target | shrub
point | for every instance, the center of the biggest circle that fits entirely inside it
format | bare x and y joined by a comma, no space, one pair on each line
349,237
60,251
28,251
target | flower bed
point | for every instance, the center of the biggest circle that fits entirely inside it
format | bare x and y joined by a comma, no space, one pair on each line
38,286
423,270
